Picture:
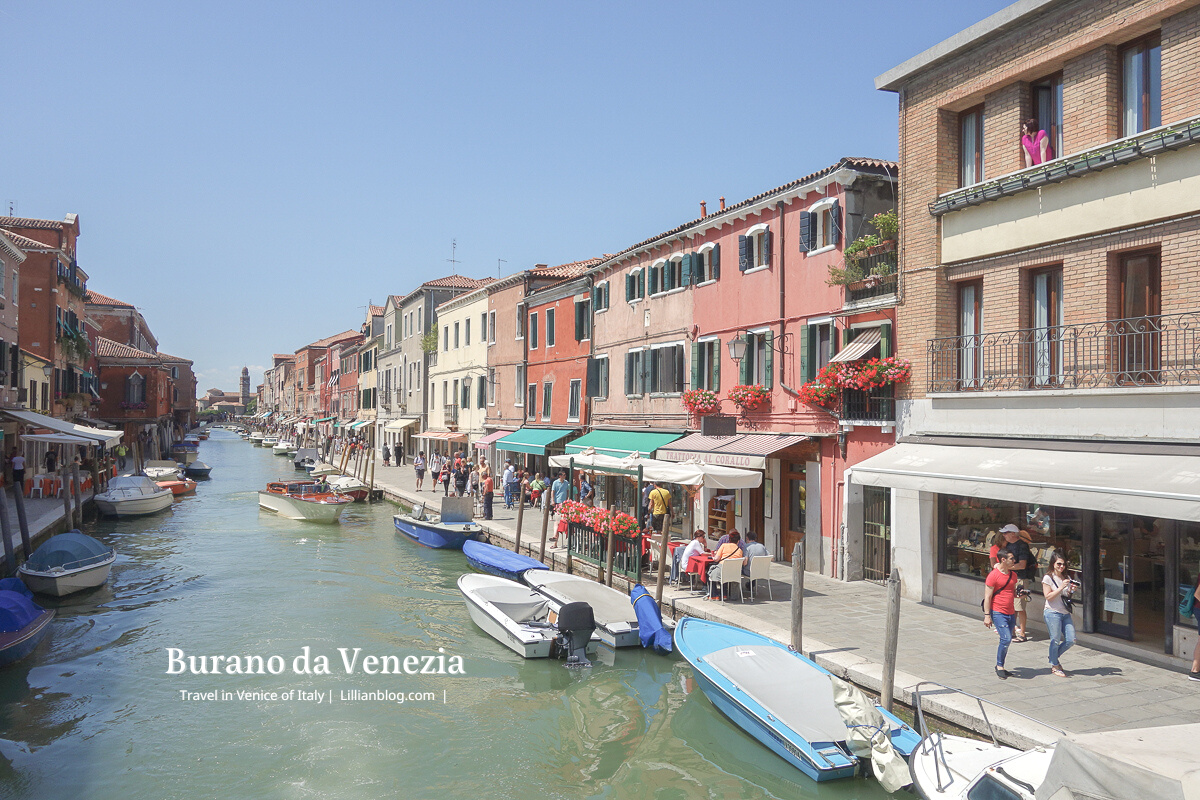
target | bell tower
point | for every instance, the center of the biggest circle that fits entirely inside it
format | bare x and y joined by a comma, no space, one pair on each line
245,387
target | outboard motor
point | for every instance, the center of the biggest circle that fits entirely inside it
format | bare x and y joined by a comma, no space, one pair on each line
576,624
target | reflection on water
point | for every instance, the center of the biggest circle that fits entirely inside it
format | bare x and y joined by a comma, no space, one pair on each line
92,713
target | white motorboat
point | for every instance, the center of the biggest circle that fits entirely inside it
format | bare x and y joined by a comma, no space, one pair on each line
269,441
349,485
67,563
283,448
303,500
133,496
520,618
162,470
616,620
256,438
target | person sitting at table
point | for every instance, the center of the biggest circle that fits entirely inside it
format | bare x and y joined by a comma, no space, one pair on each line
753,549
731,549
694,548
725,540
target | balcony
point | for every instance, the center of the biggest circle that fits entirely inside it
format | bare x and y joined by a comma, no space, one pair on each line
450,414
1114,354
871,405
873,287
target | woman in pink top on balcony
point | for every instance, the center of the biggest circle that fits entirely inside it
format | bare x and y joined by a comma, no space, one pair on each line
1035,145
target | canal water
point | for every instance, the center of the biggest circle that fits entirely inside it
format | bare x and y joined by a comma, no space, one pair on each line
93,713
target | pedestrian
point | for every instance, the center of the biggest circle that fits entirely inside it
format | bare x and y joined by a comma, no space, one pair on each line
1059,588
644,511
560,492
387,455
419,467
1194,602
999,594
489,487
51,459
122,451
444,477
537,489
660,505
1026,568
586,494
18,470
461,478
509,480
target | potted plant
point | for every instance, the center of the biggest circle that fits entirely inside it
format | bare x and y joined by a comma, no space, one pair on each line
750,397
701,401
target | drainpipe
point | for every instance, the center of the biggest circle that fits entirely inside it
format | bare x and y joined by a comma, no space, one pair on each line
782,315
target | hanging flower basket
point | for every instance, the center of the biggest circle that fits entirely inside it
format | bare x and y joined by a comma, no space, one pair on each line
816,393
750,398
598,519
701,401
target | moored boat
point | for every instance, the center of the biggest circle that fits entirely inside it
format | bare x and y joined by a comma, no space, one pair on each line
67,563
447,532
162,470
179,487
305,456
23,623
269,441
303,500
350,485
283,448
520,618
197,469
498,561
133,496
616,620
808,717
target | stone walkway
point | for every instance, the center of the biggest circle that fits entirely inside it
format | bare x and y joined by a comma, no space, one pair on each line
844,632
44,516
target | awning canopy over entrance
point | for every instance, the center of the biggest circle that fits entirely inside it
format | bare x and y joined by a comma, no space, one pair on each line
491,437
445,436
56,438
1150,485
532,440
324,419
688,473
356,425
107,438
621,443
397,425
862,344
746,450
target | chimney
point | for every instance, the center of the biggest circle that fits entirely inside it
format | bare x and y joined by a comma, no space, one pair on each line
722,203
703,209
540,266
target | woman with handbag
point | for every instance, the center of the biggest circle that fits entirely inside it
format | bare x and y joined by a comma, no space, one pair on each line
1059,588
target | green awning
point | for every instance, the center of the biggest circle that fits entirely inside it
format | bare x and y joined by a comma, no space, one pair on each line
621,443
531,440
323,419
356,425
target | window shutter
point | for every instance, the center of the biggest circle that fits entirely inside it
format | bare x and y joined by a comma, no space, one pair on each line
716,262
606,295
628,287
695,365
835,224
481,395
645,385
687,269
629,376
743,256
597,296
807,224
744,364
641,287
579,322
848,335
716,366
766,254
769,360
807,357
466,397
885,340
592,384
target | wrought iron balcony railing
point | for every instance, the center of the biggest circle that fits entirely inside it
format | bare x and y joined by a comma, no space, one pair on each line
871,405
873,286
451,414
1142,351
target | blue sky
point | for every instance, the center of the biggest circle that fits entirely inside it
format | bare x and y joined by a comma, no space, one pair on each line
251,174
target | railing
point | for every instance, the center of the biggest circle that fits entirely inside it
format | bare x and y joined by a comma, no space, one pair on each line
1143,351
873,286
450,414
592,547
871,405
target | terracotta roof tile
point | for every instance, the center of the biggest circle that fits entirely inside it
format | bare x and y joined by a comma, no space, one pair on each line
174,359
107,348
284,356
375,311
26,222
25,243
572,270
331,340
457,282
97,299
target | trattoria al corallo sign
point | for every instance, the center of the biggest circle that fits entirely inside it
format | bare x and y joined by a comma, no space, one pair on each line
718,459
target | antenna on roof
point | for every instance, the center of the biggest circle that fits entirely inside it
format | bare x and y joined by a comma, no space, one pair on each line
453,252
499,261
12,208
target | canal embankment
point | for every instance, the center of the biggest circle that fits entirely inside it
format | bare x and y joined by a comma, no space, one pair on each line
844,632
46,516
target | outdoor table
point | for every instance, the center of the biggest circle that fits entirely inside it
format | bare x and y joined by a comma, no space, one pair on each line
698,565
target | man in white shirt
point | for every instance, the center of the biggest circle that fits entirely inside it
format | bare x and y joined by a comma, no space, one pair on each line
694,548
510,487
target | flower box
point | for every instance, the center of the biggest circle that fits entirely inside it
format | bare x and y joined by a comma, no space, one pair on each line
701,401
751,397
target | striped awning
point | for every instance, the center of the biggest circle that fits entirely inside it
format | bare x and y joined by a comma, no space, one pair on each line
356,425
862,344
746,450
397,425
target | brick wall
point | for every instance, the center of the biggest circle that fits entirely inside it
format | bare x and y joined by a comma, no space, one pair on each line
1181,65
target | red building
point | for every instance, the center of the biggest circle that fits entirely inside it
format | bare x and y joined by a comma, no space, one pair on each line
135,395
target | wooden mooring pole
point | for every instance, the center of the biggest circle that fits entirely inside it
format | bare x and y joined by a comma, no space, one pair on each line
891,639
64,480
663,555
22,521
798,565
78,518
545,526
10,557
520,516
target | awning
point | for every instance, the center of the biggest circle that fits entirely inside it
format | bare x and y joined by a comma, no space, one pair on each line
356,425
397,425
266,414
858,348
746,450
107,438
324,419
687,474
622,443
55,438
531,440
1150,485
491,437
445,436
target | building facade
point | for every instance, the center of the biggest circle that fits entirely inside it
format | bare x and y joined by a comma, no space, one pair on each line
458,386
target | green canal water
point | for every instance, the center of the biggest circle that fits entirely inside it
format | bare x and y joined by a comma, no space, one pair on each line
93,712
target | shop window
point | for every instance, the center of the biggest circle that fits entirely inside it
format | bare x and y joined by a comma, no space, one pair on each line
970,527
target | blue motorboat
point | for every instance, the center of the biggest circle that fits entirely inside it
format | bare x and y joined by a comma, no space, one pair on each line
795,708
197,469
23,623
497,561
446,532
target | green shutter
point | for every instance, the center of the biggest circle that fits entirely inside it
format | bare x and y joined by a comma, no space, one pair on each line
769,360
885,340
744,364
716,262
687,269
579,322
642,284
807,360
743,256
695,365
716,366
628,287
766,255
606,295
848,335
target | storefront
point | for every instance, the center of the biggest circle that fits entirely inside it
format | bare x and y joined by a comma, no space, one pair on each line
396,436
613,492
1127,523
446,443
529,447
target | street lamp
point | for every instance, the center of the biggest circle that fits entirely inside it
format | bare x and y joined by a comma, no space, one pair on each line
737,348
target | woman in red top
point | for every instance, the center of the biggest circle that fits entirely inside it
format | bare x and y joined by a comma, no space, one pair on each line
999,594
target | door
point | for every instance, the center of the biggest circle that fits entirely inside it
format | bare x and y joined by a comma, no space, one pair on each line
1115,583
970,326
756,521
1046,337
1138,330
794,504
877,533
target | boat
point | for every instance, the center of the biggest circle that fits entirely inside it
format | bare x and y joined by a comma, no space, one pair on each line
133,496
651,630
269,441
197,469
498,561
616,620
185,452
810,718
283,448
350,485
321,469
162,470
67,563
447,532
303,500
256,437
305,456
179,487
521,619
23,623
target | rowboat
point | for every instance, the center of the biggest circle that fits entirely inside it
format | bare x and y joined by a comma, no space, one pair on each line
498,561
197,469
616,620
447,532
133,496
521,619
23,623
808,717
67,563
303,501
179,487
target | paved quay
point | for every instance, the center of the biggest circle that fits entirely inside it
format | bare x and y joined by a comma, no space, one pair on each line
46,518
844,632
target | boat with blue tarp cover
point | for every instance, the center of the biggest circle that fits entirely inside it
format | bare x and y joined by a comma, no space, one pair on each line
497,561
67,563
807,716
23,623
651,630
446,532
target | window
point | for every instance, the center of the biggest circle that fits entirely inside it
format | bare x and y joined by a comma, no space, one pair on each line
754,249
573,400
519,395
821,225
706,264
597,377
520,322
1045,316
1048,111
483,327
466,333
135,389
1140,295
388,336
757,364
547,389
549,327
706,365
456,330
454,397
673,274
533,331
1141,86
446,338
531,401
970,326
970,146
420,319
635,285
491,327
656,278
635,372
817,348
446,393
600,297
583,320
491,386
666,369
